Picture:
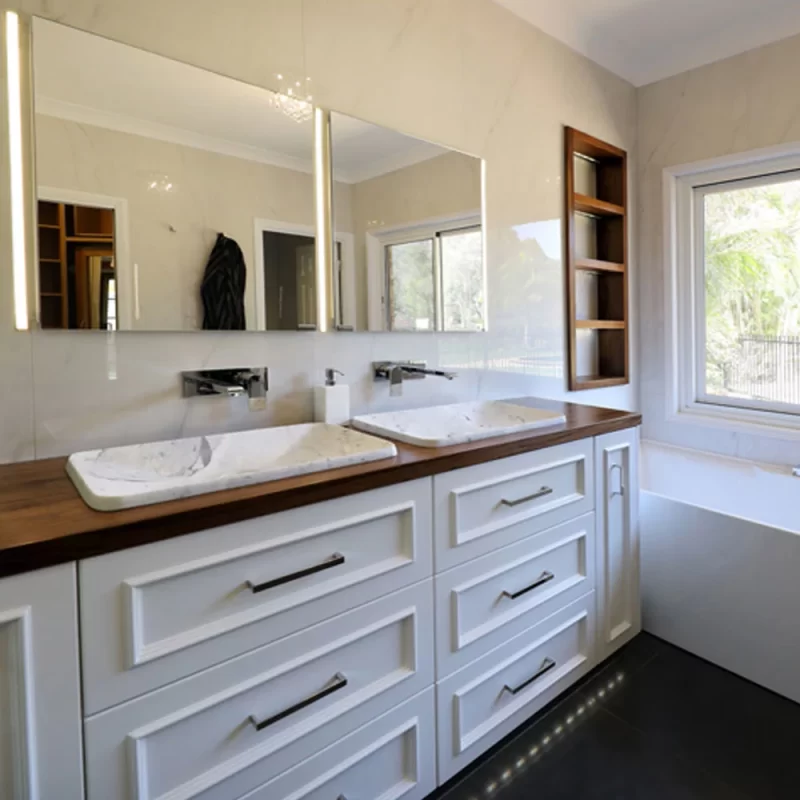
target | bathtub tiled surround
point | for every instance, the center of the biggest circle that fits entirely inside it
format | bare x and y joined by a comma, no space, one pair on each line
737,611
466,73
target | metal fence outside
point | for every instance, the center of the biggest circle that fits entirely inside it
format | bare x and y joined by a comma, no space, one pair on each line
767,368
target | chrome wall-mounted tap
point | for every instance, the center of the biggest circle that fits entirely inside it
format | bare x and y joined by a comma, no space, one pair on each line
398,371
250,381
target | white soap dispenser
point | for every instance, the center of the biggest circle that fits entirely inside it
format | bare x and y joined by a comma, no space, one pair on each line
332,401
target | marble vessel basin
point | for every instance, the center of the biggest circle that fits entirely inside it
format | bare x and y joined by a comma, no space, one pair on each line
440,426
138,475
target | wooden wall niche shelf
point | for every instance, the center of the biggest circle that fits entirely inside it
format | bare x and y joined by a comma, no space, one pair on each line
597,261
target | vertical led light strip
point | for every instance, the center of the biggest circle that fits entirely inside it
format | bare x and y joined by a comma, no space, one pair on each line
322,199
18,247
484,247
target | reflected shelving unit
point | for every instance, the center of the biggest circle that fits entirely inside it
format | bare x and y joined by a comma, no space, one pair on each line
597,261
67,235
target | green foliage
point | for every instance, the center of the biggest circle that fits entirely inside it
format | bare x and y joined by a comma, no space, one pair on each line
410,268
462,281
752,271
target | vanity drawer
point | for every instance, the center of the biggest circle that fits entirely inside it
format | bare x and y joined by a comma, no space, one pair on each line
478,509
201,736
391,758
476,705
154,614
483,603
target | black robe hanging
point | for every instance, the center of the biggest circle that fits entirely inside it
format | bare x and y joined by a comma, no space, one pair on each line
222,290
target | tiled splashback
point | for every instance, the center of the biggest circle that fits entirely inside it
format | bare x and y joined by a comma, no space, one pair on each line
465,73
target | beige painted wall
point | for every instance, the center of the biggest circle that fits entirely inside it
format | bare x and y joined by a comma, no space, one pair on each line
447,185
213,193
466,73
734,106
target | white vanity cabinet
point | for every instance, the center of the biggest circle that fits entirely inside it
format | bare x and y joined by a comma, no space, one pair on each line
40,716
369,646
537,580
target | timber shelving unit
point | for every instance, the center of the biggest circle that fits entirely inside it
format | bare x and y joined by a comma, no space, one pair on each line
597,261
62,229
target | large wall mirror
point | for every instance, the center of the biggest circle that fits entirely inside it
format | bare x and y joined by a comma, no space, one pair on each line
415,210
170,198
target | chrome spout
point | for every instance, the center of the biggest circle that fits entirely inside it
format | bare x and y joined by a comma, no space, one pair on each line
227,382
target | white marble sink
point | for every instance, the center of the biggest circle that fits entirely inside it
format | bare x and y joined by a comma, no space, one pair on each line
440,426
139,475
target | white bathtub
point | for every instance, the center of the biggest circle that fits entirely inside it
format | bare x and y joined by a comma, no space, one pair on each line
721,562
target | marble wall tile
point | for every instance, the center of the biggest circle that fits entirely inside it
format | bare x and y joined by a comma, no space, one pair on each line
740,104
465,73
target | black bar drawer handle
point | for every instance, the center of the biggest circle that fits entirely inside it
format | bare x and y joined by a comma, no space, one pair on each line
547,665
543,492
339,682
544,578
333,561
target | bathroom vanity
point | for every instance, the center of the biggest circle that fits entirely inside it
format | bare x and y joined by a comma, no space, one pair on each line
363,632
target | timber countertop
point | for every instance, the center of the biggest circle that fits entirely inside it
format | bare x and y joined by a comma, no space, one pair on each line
43,520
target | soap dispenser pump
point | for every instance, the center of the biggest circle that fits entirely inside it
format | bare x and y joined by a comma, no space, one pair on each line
332,401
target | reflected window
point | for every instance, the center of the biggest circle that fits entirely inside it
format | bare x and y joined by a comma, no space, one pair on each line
410,271
462,280
436,282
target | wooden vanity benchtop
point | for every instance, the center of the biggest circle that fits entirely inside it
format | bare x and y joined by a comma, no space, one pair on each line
43,520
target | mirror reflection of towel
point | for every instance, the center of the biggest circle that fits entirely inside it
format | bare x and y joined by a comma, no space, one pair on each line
222,290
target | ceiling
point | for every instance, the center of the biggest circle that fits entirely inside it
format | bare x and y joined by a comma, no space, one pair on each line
647,40
123,88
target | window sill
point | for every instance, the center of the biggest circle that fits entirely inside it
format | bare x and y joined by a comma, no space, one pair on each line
739,420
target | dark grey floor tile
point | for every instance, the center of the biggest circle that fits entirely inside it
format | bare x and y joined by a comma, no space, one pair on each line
732,728
654,723
602,759
577,704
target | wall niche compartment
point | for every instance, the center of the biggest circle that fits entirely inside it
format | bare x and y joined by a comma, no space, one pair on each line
596,255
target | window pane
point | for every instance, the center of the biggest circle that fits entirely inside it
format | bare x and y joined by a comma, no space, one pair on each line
462,280
411,293
752,288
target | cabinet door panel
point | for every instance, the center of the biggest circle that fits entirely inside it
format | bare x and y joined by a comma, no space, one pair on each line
480,508
161,612
483,702
485,602
40,717
392,758
229,729
617,485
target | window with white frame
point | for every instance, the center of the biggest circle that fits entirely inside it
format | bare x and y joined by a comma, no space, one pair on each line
736,284
433,277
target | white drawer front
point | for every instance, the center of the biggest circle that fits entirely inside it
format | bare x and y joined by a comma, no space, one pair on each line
480,508
158,613
391,758
201,734
476,707
483,603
